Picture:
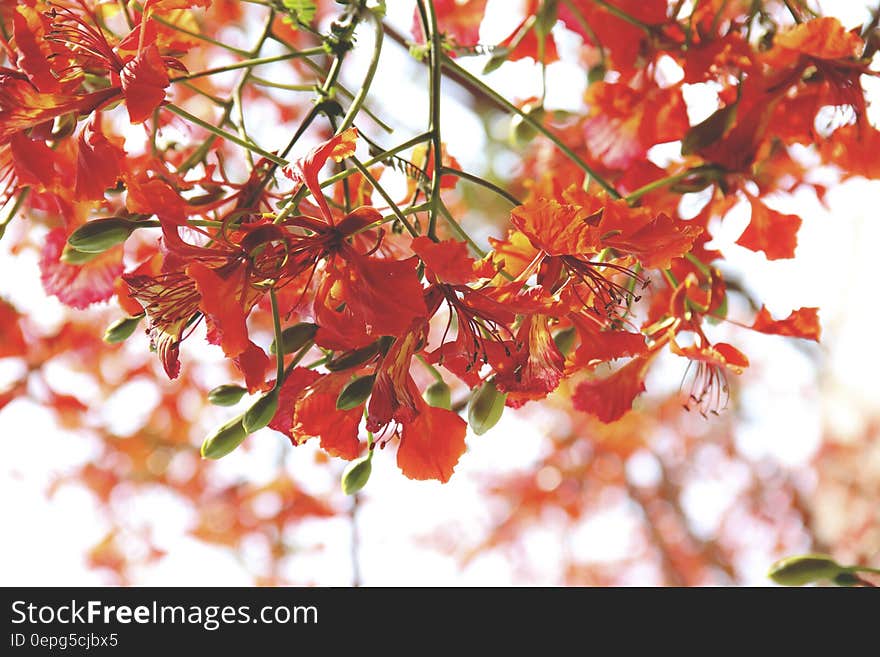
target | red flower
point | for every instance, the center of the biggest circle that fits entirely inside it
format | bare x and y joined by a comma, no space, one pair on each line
709,390
537,363
394,392
609,399
801,323
171,302
431,444
458,20
770,231
354,303
307,409
98,163
140,78
23,106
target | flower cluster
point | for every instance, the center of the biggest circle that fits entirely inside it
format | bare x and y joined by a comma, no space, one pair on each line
387,318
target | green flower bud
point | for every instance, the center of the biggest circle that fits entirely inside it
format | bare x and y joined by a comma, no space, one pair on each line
438,395
262,412
797,571
295,337
63,126
499,56
224,439
847,579
596,74
355,392
564,340
709,131
546,17
357,474
121,329
522,131
99,235
70,256
227,394
353,358
486,407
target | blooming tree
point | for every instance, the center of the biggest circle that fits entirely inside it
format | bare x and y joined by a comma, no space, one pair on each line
342,267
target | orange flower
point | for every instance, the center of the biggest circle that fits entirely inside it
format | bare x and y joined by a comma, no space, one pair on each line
431,444
801,323
709,390
770,231
609,399
307,409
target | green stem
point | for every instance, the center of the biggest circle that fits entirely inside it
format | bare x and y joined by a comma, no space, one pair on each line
279,349
220,102
340,88
202,151
300,131
634,196
482,182
235,139
696,262
304,192
622,15
537,125
317,363
191,222
458,230
414,209
250,63
864,569
237,102
791,10
431,369
361,95
391,204
196,35
429,22
278,85
22,196
298,357
579,17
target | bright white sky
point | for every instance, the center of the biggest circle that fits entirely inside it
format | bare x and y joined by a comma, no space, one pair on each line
45,540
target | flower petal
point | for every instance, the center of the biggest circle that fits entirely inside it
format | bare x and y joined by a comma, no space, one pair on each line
431,444
144,80
78,286
610,398
801,323
770,231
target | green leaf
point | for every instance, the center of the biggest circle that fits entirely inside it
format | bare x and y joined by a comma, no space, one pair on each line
301,10
564,340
